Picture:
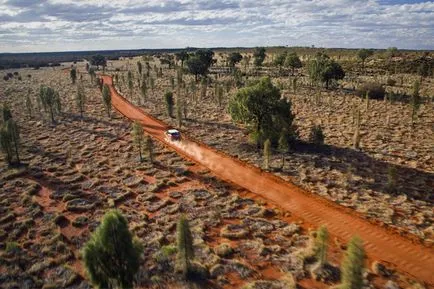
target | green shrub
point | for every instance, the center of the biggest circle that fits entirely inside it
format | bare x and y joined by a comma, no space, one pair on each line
112,256
12,247
391,82
316,135
353,265
375,90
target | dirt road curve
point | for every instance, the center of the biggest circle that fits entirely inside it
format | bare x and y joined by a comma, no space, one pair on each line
380,244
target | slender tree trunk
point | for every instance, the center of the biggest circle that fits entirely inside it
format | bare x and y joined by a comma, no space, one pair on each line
51,114
16,151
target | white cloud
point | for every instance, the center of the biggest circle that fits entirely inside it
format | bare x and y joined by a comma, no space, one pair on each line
94,24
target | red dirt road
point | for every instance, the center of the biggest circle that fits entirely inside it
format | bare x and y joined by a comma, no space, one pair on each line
380,244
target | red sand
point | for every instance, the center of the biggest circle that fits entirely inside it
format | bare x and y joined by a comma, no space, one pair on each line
380,244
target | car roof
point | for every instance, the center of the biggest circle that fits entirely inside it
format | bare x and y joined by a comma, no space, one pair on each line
173,131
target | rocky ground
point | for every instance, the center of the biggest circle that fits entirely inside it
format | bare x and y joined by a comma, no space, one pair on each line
353,178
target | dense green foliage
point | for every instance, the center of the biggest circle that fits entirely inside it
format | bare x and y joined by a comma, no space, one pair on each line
234,58
363,54
323,69
98,60
260,107
199,63
111,256
292,60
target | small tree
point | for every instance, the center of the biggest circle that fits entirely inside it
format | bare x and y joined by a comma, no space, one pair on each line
14,135
138,138
6,144
57,103
107,99
203,88
80,99
73,74
185,247
92,74
152,83
6,113
130,83
322,69
267,154
259,56
321,245
111,256
391,186
292,60
144,90
219,89
49,100
352,265
234,58
316,135
168,96
261,107
200,62
182,56
363,54
98,60
139,67
10,139
150,148
283,146
356,136
179,111
279,60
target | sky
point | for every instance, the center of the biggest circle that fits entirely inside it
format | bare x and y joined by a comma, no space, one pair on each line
70,25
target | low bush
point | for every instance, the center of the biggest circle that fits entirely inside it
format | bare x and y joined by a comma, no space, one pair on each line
376,90
391,82
316,135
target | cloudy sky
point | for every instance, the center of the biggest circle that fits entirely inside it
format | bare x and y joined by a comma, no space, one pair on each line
60,25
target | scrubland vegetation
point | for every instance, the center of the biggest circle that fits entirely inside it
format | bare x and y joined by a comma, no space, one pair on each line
86,196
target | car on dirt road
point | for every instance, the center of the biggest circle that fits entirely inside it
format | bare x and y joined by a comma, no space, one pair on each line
173,135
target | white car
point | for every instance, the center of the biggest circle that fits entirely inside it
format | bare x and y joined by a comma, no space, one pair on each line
173,135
